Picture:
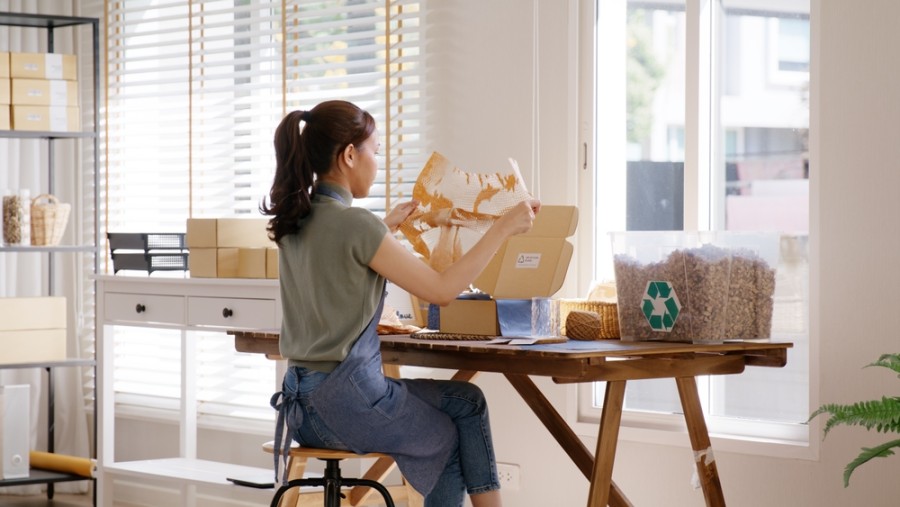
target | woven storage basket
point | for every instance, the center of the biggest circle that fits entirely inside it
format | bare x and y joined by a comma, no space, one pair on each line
608,313
48,220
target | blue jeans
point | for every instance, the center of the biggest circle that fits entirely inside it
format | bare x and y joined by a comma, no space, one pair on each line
472,467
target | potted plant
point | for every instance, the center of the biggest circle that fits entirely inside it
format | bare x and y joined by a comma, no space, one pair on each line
883,415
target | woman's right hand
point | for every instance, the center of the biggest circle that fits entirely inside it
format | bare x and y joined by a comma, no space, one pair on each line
520,218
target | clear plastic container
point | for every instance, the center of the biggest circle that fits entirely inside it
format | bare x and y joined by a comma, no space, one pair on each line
701,287
13,219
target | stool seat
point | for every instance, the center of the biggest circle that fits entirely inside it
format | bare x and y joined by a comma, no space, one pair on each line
332,482
316,452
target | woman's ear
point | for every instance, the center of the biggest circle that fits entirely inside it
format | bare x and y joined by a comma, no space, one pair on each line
348,155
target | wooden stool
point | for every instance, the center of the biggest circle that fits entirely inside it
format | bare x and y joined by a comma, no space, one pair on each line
362,491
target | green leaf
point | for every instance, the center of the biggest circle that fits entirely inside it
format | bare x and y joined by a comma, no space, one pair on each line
882,451
883,415
891,361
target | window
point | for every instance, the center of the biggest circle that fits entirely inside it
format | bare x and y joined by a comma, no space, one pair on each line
700,123
195,91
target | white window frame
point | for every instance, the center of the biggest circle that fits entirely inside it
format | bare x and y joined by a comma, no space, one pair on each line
727,434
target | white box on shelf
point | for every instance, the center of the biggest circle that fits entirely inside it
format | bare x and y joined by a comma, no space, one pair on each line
15,430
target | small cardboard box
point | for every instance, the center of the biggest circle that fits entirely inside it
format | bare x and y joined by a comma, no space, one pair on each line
470,316
4,64
527,265
5,91
272,263
228,233
203,263
43,66
46,118
32,329
44,92
241,262
5,122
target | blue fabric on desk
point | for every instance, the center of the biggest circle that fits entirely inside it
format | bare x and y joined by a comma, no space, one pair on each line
514,316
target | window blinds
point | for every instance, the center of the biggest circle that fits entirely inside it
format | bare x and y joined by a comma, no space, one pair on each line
194,92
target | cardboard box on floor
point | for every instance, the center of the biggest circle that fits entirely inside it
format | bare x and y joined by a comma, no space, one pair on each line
528,265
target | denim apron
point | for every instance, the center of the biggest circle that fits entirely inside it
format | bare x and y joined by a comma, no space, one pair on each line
373,413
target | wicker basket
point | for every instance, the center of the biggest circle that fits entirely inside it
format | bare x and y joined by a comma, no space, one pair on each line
608,313
48,220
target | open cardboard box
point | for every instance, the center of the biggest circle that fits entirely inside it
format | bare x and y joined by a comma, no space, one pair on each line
528,265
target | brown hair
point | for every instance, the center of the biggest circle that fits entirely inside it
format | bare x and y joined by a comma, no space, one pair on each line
303,156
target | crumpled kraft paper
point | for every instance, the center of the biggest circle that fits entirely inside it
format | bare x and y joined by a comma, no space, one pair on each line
457,207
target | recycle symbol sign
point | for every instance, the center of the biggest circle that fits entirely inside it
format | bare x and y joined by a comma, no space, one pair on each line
660,305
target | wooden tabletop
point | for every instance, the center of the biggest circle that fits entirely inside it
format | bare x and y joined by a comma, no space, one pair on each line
572,361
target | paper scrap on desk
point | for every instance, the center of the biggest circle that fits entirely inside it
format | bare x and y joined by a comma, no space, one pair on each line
521,340
457,207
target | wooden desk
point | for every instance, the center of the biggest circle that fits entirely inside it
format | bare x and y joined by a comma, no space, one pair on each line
612,361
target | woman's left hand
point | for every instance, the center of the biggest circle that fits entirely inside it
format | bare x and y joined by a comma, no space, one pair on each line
399,214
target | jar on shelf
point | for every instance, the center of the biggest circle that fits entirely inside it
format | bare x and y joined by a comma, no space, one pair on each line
13,218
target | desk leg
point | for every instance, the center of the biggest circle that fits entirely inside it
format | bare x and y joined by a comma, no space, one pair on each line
605,456
567,438
696,426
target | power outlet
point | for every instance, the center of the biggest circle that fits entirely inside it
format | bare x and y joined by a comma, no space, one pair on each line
508,475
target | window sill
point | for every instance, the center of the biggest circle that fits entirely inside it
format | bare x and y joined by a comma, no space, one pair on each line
670,430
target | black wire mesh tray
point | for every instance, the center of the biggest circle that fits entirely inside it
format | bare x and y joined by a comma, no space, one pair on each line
143,251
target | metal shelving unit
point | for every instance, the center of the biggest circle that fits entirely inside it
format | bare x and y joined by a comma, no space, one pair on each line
49,24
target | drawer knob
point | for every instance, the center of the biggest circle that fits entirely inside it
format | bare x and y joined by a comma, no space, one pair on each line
140,308
227,312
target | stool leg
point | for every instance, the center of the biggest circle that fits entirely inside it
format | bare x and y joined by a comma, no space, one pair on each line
332,483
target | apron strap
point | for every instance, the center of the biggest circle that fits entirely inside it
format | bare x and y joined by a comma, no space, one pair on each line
287,406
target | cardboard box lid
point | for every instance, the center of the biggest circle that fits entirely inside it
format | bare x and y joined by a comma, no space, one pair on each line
30,313
535,263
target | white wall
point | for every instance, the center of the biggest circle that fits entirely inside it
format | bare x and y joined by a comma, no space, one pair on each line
481,97
854,236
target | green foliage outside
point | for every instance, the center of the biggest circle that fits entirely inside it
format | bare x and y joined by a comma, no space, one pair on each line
644,74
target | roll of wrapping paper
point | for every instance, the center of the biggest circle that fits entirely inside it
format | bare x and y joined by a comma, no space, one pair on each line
84,467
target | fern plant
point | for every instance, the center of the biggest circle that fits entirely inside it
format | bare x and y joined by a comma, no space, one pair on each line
883,415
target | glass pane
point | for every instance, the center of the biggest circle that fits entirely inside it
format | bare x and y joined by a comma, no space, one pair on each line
763,131
655,105
654,45
764,117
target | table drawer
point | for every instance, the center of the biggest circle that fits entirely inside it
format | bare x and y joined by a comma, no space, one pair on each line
231,312
143,308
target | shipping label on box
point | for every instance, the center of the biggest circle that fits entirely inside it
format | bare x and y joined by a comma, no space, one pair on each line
5,91
44,92
43,66
4,64
535,263
46,118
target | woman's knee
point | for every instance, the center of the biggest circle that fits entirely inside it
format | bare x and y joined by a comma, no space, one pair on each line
465,392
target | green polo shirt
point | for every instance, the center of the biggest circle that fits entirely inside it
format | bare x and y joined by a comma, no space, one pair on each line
328,292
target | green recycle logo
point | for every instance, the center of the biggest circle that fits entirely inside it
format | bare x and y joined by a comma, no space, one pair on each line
660,305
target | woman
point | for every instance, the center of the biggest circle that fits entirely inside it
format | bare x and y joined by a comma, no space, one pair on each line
333,263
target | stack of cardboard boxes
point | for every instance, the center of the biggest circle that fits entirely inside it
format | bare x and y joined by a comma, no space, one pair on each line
39,92
32,329
231,248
